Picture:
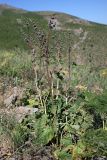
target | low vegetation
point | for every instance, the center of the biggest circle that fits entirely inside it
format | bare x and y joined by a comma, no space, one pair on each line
68,88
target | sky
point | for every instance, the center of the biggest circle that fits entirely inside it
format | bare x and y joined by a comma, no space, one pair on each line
92,10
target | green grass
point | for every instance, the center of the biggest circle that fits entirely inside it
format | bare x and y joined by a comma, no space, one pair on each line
15,64
15,58
11,38
10,35
65,109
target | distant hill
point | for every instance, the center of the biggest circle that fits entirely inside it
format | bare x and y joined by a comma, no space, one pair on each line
6,7
87,37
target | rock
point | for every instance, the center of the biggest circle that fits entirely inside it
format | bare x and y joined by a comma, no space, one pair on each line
6,146
44,153
11,98
27,156
22,111
8,102
54,23
99,158
77,32
18,113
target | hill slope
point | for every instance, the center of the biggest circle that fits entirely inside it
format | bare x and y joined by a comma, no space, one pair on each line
47,106
87,38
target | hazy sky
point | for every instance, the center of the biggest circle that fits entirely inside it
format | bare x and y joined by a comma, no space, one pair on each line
93,10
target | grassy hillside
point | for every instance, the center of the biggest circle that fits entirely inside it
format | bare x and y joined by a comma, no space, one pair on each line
87,38
58,69
10,36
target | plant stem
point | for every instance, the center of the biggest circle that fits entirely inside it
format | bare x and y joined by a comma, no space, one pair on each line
103,125
69,65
